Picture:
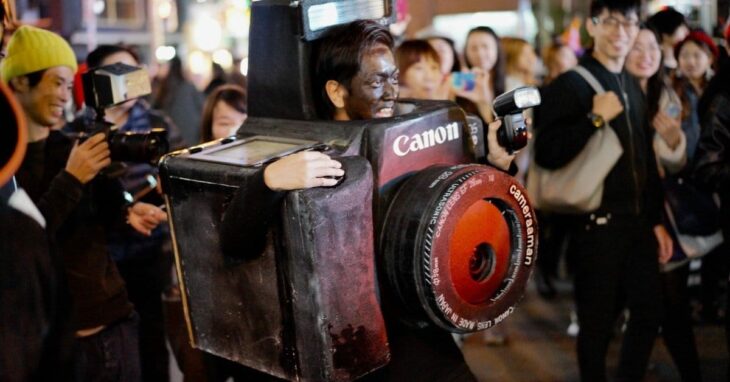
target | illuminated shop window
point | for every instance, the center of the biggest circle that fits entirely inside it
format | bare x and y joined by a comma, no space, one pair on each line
120,13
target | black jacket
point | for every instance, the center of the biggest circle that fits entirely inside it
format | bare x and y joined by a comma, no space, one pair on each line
563,128
78,217
712,160
35,329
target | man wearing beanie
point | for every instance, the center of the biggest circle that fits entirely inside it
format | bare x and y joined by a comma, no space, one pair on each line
60,175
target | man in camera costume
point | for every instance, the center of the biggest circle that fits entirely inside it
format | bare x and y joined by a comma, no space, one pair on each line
292,288
62,176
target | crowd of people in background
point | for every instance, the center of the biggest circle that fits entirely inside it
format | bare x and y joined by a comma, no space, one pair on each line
666,97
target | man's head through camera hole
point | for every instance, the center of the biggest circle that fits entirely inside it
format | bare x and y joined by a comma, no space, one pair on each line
357,80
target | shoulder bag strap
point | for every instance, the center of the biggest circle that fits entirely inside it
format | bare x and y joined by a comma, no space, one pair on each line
590,78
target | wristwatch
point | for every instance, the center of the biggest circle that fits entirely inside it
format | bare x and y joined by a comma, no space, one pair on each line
596,120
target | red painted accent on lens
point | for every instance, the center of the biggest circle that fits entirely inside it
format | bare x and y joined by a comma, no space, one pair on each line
481,225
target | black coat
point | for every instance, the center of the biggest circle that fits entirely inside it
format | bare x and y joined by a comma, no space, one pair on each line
712,161
78,218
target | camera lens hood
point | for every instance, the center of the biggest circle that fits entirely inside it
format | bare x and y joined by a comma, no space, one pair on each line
457,247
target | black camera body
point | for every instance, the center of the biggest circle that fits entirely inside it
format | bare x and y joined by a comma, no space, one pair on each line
110,85
419,231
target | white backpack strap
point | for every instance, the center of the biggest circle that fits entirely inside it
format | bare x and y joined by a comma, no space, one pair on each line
590,78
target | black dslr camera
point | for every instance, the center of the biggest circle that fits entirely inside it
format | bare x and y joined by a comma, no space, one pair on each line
110,85
512,135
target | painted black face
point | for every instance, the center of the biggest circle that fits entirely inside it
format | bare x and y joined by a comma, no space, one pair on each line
374,89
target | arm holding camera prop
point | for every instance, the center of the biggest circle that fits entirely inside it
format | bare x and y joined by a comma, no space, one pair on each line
497,155
247,219
304,169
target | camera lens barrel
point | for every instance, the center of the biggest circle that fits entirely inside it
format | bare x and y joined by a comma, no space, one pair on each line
138,147
457,247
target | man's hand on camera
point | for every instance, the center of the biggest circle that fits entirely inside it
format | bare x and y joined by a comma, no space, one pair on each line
607,105
498,156
88,158
305,169
145,217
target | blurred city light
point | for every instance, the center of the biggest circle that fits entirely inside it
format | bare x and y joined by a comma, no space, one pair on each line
99,7
165,53
238,20
207,34
243,67
199,63
223,58
164,9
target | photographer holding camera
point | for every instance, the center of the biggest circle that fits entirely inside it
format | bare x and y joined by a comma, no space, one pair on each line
610,273
61,176
355,78
140,257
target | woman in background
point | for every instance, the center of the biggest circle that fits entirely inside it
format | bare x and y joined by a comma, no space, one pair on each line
448,56
520,63
484,57
224,112
644,61
179,99
420,72
558,58
696,56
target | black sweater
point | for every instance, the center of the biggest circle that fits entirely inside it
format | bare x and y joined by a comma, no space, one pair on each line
562,129
78,216
35,333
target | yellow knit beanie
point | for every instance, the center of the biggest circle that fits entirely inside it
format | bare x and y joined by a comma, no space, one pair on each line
32,49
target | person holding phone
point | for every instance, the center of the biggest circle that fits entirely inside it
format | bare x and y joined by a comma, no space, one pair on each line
485,60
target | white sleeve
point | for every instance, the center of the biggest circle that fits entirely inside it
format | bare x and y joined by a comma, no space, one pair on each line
671,160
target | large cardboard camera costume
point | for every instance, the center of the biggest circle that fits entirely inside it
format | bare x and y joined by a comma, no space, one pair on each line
416,231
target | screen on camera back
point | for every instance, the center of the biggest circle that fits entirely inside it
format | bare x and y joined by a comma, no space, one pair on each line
255,151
